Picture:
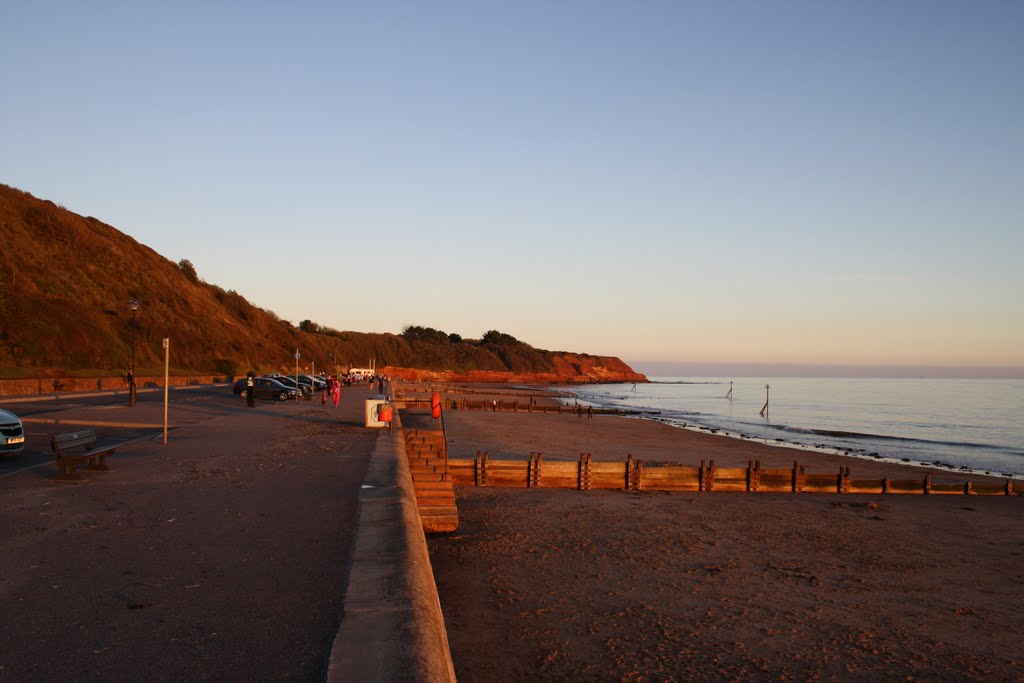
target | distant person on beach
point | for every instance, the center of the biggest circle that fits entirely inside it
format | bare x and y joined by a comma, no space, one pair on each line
579,411
335,391
590,412
494,406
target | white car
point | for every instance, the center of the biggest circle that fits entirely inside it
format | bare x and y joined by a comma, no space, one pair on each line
12,434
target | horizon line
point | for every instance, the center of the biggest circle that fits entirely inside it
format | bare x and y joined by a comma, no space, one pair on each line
768,369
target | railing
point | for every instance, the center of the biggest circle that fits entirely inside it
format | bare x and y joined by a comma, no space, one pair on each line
444,445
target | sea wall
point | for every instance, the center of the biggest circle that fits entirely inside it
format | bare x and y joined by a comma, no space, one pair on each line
392,627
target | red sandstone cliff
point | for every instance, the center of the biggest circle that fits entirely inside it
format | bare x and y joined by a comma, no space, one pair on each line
569,368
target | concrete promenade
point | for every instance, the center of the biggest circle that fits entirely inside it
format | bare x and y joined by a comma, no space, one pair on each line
223,555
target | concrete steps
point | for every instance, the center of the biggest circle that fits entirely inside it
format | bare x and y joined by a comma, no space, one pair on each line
435,494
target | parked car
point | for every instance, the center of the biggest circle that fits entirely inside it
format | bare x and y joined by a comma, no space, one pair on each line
12,433
318,383
290,382
265,387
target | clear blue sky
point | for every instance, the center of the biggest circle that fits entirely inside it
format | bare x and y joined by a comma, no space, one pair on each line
706,182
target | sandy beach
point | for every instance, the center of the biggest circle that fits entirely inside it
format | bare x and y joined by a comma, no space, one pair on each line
652,586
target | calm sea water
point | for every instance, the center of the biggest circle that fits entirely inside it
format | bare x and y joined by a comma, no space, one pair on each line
975,425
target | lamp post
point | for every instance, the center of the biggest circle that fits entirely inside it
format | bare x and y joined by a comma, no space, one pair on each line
134,303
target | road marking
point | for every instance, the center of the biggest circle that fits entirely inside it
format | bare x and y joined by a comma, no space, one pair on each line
92,423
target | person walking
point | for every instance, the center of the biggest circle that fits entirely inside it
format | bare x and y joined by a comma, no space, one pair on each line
335,391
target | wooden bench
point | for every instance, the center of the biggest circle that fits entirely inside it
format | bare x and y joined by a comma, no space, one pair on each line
75,448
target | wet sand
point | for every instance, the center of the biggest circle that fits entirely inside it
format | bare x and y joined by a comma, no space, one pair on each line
652,586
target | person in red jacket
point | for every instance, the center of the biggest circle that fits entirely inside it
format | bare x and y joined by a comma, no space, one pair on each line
335,390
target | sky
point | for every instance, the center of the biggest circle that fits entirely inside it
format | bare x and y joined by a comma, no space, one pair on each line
757,184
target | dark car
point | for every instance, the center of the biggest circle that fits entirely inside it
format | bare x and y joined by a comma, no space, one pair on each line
265,387
290,382
318,383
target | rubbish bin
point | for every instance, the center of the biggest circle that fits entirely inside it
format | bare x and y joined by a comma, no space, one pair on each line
371,410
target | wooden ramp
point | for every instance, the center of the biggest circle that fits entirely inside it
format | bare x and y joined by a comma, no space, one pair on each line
435,494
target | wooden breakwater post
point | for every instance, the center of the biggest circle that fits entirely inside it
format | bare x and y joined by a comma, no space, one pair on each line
633,470
707,476
753,475
584,472
533,471
480,469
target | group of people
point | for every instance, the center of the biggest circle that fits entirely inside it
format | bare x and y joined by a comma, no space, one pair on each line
332,387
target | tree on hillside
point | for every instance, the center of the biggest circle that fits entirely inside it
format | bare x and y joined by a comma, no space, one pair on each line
310,326
495,337
189,270
418,333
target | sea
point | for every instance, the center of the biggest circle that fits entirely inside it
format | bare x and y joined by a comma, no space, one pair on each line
966,425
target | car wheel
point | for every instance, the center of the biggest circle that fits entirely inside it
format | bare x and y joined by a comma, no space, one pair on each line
283,396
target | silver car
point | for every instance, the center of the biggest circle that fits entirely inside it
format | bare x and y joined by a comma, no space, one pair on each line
12,433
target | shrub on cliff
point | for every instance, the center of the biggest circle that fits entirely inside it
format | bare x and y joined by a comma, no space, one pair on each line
495,337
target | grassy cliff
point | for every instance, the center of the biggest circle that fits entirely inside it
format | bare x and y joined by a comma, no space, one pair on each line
65,284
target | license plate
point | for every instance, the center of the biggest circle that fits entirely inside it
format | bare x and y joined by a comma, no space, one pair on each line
15,439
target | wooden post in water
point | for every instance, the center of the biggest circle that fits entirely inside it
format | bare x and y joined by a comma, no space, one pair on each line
728,395
764,409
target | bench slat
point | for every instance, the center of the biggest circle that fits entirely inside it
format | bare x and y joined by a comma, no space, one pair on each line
83,438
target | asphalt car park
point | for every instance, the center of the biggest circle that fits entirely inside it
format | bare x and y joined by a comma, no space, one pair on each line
106,413
149,571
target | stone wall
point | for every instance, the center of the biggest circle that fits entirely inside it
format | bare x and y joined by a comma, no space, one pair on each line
50,385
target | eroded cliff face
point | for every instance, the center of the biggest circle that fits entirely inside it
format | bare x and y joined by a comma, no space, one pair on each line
569,368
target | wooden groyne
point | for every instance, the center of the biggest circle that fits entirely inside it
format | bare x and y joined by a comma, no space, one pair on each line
635,475
517,406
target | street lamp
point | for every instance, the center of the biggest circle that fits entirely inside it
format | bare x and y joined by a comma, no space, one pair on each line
134,303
